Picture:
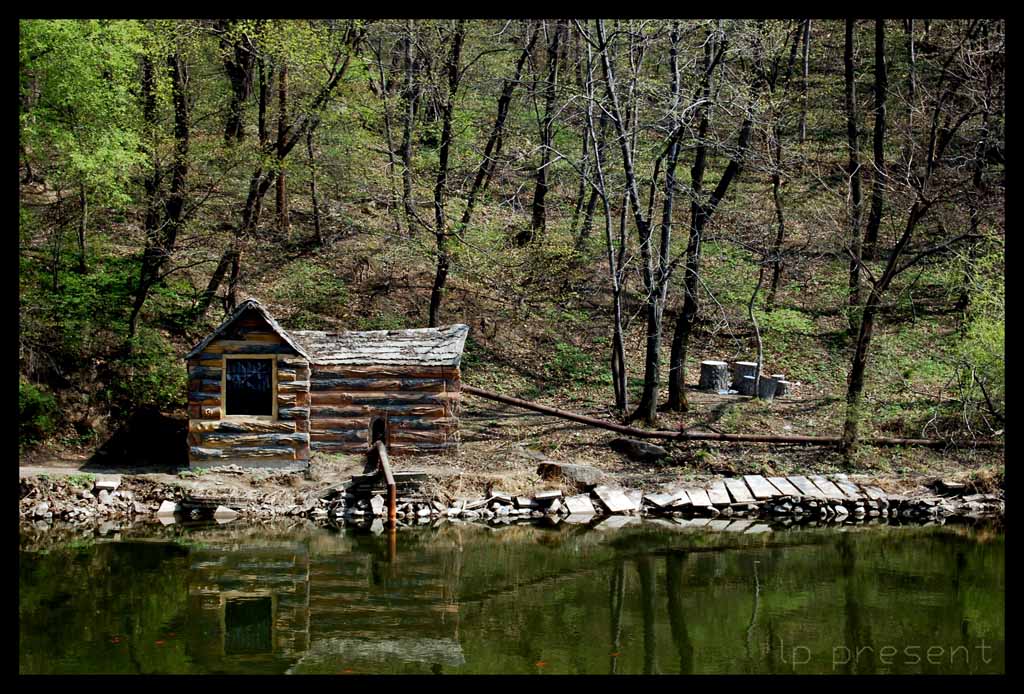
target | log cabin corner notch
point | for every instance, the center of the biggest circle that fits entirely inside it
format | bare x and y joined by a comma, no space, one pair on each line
260,396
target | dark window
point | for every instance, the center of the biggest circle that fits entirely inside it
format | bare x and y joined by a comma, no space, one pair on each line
378,431
248,625
250,386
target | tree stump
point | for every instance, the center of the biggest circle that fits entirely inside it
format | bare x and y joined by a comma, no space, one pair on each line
746,387
741,369
766,388
714,376
781,385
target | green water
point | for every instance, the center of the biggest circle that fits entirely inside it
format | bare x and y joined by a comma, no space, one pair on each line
462,599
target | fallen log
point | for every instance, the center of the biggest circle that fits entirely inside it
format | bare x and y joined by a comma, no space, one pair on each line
692,435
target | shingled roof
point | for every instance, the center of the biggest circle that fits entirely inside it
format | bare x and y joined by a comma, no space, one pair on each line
415,347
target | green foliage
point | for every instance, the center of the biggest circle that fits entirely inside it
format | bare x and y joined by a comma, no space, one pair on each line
784,320
151,377
570,364
81,479
384,320
85,119
313,291
37,413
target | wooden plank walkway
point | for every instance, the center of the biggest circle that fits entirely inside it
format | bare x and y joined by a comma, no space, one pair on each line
783,485
760,487
830,490
698,497
806,487
738,490
748,489
718,494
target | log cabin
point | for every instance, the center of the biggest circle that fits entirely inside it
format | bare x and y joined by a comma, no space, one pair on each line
261,396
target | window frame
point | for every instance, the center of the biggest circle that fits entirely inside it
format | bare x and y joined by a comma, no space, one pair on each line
272,417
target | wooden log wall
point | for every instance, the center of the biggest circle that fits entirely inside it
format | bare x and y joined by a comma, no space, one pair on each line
216,440
421,403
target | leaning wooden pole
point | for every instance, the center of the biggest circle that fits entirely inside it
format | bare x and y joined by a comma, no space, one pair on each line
692,435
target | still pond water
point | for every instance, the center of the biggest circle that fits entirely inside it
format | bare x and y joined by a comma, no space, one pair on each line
647,598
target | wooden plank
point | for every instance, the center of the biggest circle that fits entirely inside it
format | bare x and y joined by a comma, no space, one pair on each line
378,398
246,347
613,499
379,371
698,497
830,490
226,425
760,487
293,413
579,504
322,411
341,436
718,494
660,500
783,485
874,493
692,522
738,490
717,524
210,372
293,387
680,498
335,447
221,439
739,526
805,487
758,528
325,382
848,488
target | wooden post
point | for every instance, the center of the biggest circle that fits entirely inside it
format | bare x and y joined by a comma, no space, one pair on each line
389,478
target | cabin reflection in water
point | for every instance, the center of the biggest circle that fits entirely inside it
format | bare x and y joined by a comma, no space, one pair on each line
268,605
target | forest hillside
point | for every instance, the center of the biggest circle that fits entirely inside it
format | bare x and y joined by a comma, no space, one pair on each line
606,203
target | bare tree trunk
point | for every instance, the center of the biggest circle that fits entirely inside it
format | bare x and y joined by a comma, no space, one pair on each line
440,224
262,179
600,138
312,190
160,242
803,83
855,381
677,401
776,253
853,171
757,329
878,176
487,163
385,90
647,410
585,152
238,63
266,84
538,222
615,261
284,223
411,98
